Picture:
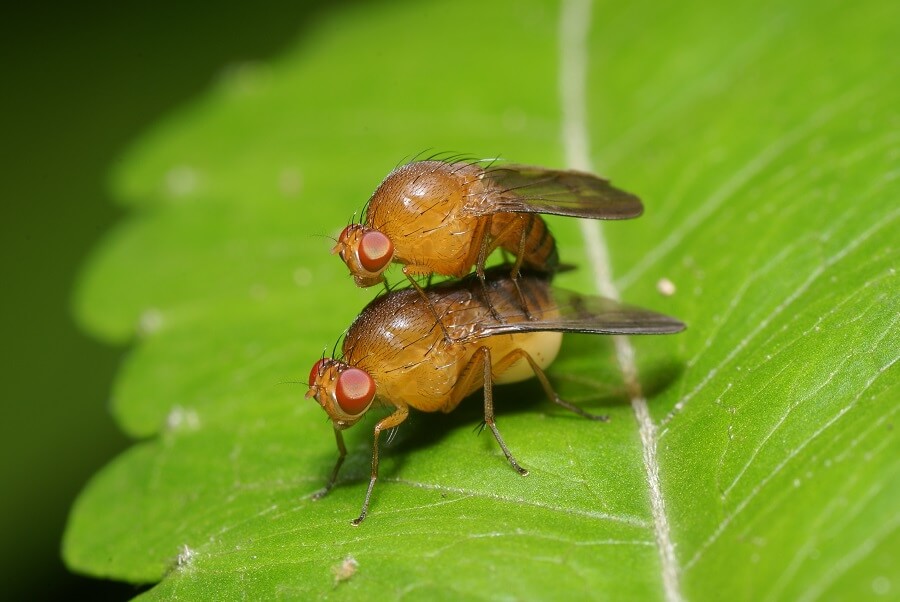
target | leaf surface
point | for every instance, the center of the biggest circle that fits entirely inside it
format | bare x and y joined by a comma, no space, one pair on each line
763,139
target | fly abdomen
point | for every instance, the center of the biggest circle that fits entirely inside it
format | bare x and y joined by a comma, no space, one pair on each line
529,232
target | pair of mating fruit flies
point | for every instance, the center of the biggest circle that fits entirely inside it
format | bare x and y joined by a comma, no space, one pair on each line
430,347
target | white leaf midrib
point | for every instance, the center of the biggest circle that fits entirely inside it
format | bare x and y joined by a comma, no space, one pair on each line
574,25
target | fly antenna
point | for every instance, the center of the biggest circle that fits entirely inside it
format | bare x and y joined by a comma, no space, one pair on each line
328,236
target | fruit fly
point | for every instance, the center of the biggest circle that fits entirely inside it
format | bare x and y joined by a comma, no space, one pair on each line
393,353
444,217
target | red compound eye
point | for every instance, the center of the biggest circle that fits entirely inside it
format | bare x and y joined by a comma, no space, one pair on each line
314,373
355,391
375,251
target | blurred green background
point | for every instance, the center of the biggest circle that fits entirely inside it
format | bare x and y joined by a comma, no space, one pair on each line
81,81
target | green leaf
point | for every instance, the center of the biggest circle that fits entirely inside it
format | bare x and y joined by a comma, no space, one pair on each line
764,140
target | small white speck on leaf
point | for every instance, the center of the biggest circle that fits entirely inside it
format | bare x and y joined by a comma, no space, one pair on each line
185,556
345,569
181,418
245,78
290,182
302,276
881,586
665,287
150,322
181,180
259,291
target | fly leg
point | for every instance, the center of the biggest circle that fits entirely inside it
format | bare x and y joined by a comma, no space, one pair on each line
520,255
513,356
388,422
429,303
469,376
485,249
488,247
342,453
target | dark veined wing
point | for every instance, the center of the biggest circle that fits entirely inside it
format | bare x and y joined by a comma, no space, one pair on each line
529,189
553,309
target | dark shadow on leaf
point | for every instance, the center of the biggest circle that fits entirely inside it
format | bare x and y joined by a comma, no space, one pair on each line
658,377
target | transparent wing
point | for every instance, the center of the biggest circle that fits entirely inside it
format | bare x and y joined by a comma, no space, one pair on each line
551,308
528,189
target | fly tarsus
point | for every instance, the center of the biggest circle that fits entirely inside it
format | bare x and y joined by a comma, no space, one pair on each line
365,509
515,279
487,300
388,422
489,411
574,408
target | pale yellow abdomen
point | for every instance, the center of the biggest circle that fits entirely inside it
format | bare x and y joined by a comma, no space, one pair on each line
542,346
